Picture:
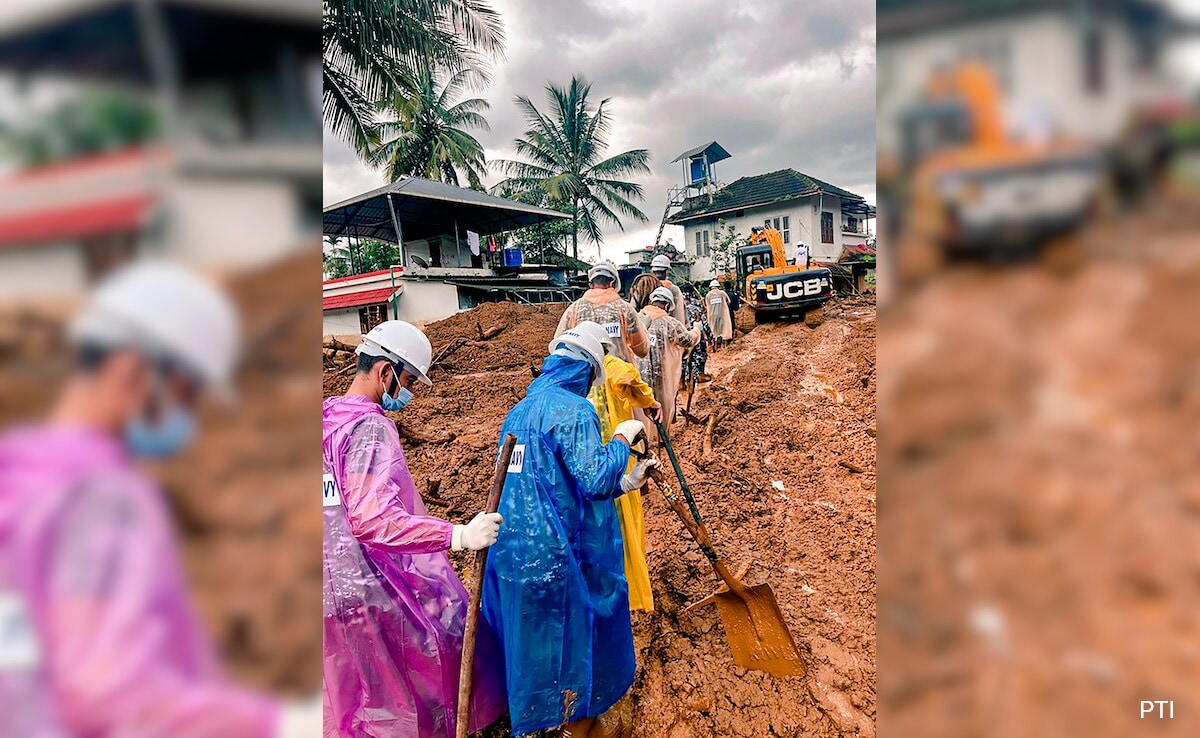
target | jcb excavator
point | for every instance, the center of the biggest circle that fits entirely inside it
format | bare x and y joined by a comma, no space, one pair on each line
968,186
774,288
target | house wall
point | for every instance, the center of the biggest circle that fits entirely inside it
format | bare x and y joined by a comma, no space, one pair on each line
46,272
235,223
804,219
340,322
425,302
1039,57
454,255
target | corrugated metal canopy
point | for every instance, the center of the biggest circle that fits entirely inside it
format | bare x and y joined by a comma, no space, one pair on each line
425,209
714,150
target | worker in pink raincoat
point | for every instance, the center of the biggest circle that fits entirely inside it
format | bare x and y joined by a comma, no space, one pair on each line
394,609
97,636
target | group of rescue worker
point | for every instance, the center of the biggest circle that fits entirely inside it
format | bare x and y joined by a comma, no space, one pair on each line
99,637
567,560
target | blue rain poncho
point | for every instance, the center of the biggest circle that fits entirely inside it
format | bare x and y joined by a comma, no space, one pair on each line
554,589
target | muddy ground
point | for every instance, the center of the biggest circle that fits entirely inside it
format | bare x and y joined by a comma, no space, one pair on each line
792,403
1041,567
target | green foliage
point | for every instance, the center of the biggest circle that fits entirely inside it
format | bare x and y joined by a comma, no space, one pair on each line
94,122
369,48
564,163
357,257
723,250
427,137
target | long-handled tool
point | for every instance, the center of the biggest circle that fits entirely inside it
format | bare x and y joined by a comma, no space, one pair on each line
463,720
754,625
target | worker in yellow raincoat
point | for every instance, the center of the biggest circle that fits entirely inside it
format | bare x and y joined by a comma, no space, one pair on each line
621,392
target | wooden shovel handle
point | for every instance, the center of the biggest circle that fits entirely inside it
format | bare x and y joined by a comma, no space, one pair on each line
700,533
463,720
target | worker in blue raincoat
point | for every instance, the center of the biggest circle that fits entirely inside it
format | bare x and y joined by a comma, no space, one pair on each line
554,589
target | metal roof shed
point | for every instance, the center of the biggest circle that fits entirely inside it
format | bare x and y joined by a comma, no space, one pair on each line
415,208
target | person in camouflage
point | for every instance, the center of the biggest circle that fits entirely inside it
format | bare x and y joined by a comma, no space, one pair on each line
693,367
603,304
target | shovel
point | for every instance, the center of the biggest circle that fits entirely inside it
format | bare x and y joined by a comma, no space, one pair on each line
754,626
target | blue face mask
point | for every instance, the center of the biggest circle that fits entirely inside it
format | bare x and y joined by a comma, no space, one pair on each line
397,403
163,439
402,398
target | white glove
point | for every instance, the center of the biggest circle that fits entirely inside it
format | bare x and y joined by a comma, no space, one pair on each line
481,532
637,475
629,430
301,719
697,325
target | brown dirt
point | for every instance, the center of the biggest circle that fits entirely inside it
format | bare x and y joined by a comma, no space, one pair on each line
251,536
794,401
1040,536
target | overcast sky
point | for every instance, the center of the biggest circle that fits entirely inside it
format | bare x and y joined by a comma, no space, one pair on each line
779,83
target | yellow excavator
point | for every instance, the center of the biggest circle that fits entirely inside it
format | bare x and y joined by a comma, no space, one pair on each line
967,186
772,287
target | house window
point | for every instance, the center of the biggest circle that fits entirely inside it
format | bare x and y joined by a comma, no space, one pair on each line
826,227
371,316
852,224
697,243
787,226
1093,60
707,249
767,223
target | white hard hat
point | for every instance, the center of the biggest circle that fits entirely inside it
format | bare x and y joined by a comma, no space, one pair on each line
587,338
606,269
660,262
400,343
595,329
662,294
169,312
714,283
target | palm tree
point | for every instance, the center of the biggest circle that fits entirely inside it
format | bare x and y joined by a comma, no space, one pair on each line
427,138
564,162
337,261
368,44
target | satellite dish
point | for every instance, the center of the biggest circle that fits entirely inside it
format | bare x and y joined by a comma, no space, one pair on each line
419,261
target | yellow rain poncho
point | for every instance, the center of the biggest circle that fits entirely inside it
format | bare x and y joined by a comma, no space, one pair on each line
622,391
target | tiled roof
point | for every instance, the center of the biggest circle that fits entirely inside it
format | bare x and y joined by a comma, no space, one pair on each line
356,299
74,221
785,184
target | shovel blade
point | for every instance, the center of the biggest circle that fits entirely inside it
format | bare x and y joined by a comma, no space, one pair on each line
757,633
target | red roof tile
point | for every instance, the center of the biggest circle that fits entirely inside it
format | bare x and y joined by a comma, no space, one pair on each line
356,299
74,221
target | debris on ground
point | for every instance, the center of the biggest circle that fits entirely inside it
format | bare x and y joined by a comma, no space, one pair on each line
766,419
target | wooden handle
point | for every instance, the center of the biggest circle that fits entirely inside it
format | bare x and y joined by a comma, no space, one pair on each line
463,720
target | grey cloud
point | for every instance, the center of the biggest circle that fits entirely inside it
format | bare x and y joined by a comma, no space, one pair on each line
780,83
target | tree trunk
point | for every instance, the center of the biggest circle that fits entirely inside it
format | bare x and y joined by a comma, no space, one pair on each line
575,231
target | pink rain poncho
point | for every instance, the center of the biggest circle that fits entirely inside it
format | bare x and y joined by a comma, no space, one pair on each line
99,638
394,608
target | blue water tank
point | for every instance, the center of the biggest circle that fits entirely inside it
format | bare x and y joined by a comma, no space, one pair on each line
512,257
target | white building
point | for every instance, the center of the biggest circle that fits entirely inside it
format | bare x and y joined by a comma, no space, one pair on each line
802,208
1075,67
440,274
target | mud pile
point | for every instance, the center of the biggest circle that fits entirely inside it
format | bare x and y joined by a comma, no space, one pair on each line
1043,511
792,404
